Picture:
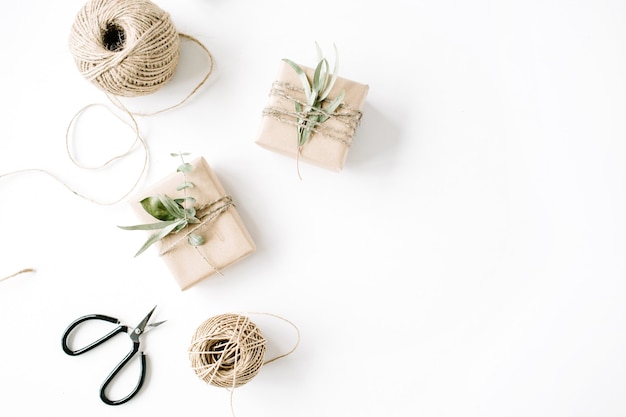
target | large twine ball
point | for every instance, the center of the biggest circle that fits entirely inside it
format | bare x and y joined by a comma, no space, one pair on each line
125,47
227,350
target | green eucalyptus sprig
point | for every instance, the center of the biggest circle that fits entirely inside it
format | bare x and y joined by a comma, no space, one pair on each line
316,91
172,214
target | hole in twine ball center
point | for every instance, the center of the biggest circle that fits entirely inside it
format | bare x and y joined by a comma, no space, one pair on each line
114,37
224,353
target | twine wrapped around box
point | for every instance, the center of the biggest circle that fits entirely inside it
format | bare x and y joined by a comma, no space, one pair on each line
227,238
330,142
346,117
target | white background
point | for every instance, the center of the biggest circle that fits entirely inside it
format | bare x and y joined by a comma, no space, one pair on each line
468,261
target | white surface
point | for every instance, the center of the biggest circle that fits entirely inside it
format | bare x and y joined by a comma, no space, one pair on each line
468,261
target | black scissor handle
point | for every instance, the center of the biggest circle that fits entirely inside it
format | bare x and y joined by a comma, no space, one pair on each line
74,324
118,368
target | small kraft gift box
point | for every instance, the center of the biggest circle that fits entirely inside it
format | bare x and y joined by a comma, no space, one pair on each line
287,115
224,237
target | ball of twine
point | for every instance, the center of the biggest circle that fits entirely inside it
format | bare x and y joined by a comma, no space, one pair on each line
227,350
125,47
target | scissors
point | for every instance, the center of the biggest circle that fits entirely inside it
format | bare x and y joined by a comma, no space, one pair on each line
134,334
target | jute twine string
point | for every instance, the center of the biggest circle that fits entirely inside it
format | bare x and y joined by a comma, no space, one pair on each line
23,271
129,48
348,117
206,214
126,48
228,350
134,126
118,103
132,123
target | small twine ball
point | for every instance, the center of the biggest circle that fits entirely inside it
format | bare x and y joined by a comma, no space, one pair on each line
125,47
227,350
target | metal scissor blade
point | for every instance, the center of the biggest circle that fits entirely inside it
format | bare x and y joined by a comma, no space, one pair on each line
153,325
143,323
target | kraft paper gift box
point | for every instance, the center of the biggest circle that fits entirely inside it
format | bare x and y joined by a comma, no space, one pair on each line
226,238
328,146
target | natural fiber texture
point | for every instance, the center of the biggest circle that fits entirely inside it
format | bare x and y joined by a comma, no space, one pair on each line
227,350
23,271
125,47
206,213
347,119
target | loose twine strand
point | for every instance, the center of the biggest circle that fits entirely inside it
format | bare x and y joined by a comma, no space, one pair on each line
138,59
23,271
145,60
228,350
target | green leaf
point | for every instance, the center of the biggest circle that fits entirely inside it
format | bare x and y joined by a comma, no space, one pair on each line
182,224
318,50
331,84
195,239
313,100
330,109
316,77
155,237
184,185
303,78
304,138
324,82
172,207
149,226
190,212
316,92
155,207
185,167
181,201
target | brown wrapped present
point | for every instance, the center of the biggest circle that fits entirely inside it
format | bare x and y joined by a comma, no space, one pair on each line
226,239
330,141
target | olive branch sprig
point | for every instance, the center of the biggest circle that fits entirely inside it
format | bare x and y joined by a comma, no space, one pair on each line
173,214
312,113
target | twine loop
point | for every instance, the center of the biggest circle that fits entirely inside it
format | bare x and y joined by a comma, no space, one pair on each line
125,47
